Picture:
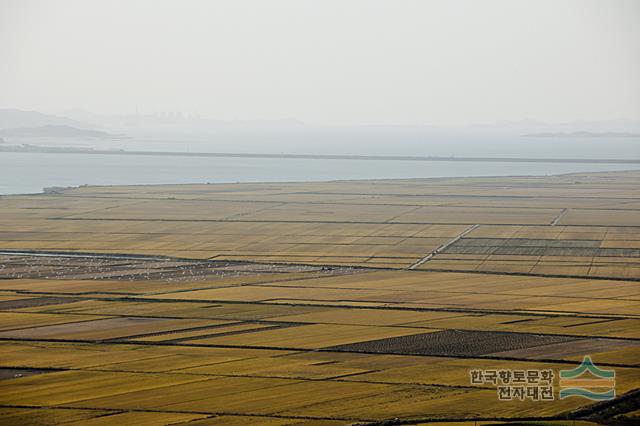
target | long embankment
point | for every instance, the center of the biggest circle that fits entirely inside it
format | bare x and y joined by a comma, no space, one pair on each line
47,150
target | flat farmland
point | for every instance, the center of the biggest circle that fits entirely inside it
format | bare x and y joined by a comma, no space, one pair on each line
321,303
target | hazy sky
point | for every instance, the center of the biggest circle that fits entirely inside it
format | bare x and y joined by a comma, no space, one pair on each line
326,61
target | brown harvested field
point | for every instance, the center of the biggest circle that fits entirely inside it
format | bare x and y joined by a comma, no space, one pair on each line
455,343
323,303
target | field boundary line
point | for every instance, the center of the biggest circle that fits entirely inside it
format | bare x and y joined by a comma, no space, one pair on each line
443,247
557,219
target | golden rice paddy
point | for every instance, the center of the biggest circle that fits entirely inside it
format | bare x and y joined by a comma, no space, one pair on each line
328,303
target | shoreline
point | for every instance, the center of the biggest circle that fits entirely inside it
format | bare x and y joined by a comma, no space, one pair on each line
31,149
54,189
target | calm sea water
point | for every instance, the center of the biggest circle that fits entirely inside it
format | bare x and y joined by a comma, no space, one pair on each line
22,173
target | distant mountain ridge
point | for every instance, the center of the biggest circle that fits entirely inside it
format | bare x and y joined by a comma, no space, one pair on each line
11,118
583,135
56,131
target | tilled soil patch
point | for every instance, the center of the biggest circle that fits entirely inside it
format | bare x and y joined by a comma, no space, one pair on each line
454,343
34,302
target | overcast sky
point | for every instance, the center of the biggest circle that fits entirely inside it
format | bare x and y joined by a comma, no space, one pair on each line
326,61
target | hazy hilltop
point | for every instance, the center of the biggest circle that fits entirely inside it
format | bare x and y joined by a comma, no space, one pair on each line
56,131
12,118
15,123
583,134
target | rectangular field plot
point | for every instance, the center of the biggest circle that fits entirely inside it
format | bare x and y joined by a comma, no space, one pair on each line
308,336
108,328
44,389
14,321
